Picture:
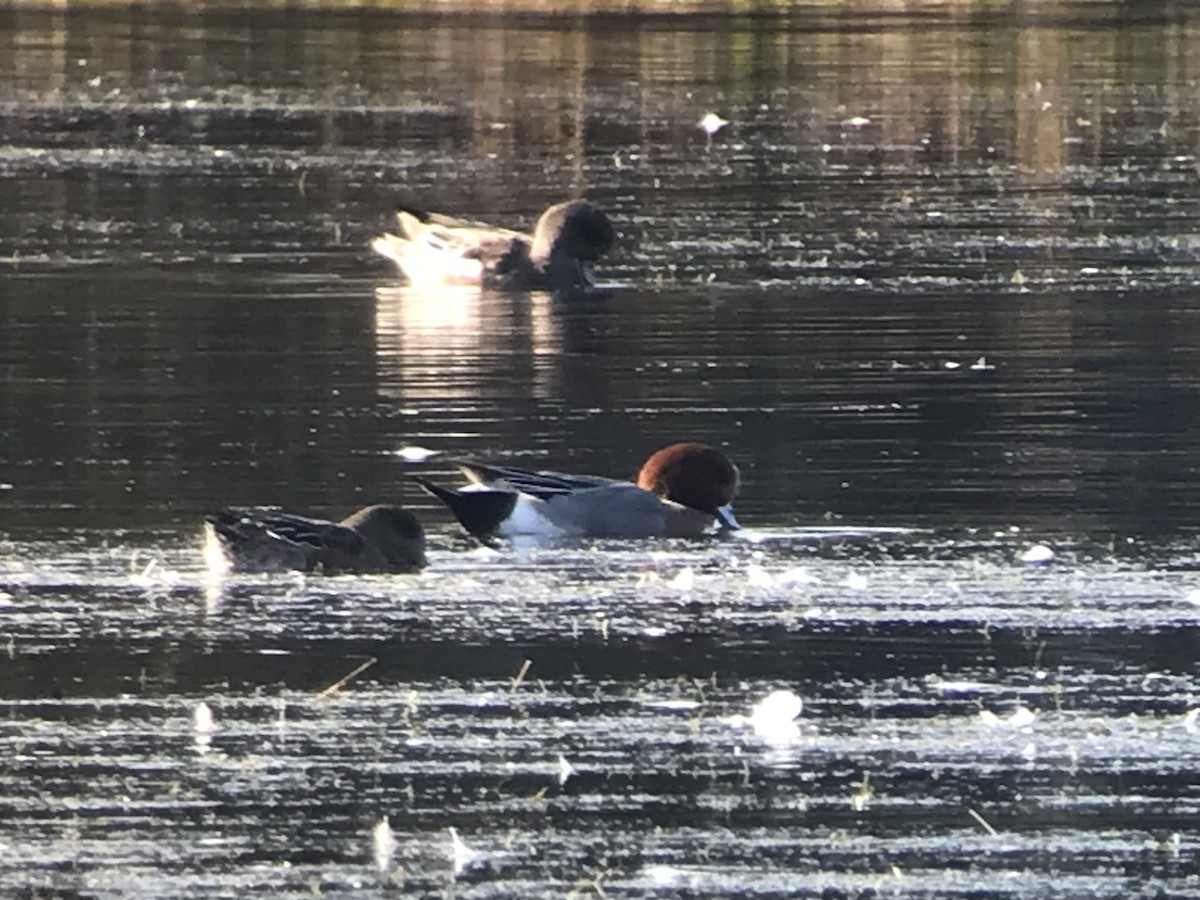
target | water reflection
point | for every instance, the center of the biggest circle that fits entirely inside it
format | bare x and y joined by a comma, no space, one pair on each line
432,344
1078,418
191,316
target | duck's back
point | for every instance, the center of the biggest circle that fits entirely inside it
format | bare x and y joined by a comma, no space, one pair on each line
270,541
622,509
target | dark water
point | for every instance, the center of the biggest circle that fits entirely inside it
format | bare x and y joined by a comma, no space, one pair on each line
932,288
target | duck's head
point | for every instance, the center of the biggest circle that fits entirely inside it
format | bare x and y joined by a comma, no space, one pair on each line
695,475
395,531
568,239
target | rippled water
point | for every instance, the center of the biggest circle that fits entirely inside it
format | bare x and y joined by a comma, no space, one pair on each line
932,287
970,725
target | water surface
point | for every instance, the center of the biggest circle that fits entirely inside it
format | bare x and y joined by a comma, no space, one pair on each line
932,287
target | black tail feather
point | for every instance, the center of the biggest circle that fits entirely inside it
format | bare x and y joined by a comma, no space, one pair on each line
480,512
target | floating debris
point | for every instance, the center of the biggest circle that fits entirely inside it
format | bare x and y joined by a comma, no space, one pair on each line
203,726
711,123
982,821
519,678
463,856
1037,555
152,575
861,798
565,770
383,844
773,718
337,685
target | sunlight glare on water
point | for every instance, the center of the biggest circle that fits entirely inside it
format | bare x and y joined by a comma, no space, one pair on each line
928,278
928,708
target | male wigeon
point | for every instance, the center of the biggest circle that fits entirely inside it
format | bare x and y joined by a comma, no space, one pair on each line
681,490
374,539
433,249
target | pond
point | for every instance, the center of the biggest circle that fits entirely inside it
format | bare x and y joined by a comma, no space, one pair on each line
931,286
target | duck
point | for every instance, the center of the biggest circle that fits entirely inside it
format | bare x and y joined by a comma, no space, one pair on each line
375,539
433,249
681,490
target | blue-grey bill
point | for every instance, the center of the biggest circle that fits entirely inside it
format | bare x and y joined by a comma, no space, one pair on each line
725,516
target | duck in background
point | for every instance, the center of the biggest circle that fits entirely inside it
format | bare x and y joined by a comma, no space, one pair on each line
433,250
374,539
681,491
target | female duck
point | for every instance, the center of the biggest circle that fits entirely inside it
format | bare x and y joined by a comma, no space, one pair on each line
436,250
374,539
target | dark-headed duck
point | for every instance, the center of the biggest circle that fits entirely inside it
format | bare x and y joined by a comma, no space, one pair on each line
432,249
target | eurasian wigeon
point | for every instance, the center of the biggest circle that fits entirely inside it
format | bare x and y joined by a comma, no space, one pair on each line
374,539
681,490
433,249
